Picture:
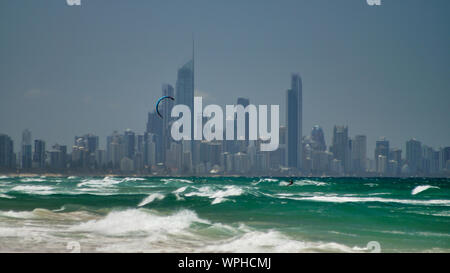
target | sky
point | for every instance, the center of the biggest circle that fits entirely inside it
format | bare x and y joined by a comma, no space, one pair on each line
99,67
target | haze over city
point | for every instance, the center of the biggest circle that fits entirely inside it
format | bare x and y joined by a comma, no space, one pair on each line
99,67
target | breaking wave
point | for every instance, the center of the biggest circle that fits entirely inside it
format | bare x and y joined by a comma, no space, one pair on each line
422,188
31,189
274,241
140,221
32,179
217,195
152,197
350,199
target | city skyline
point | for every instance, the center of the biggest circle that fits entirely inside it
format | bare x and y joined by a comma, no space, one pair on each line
155,153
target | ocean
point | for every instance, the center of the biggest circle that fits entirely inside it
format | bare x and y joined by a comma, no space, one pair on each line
226,214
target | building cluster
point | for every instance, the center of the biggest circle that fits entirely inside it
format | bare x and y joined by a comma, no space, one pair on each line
156,153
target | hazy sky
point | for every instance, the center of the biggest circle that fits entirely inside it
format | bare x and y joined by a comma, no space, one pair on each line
383,71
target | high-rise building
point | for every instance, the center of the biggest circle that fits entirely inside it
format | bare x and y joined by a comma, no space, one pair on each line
89,142
318,138
341,147
130,143
185,95
6,152
359,154
26,149
92,143
294,118
296,85
155,127
116,149
39,154
395,154
382,165
58,157
444,158
427,158
381,148
149,149
414,155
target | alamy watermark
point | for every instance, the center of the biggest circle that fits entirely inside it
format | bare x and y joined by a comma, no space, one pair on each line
73,2
213,128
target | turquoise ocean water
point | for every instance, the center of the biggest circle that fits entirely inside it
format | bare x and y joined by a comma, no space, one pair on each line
129,214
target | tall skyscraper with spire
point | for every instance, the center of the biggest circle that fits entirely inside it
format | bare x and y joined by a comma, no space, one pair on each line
294,117
184,93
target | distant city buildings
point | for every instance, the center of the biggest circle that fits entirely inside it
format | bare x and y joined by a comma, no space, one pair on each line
132,153
154,152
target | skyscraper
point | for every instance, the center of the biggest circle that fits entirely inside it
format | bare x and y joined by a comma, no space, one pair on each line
39,153
414,155
26,149
444,159
185,95
296,85
6,152
155,128
359,154
294,117
318,138
395,154
130,143
341,147
381,149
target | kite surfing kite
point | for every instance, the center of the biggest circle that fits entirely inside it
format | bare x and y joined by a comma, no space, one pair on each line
161,99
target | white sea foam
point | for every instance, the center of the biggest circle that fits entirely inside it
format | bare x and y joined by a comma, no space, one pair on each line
307,182
348,199
32,179
32,189
168,180
100,183
17,214
140,221
6,196
422,188
442,214
218,195
303,182
152,197
379,193
72,177
133,179
266,180
274,241
3,177
180,190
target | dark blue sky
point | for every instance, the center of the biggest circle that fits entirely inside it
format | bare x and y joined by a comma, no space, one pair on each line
383,71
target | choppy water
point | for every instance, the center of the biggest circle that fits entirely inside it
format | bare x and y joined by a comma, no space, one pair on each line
105,214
